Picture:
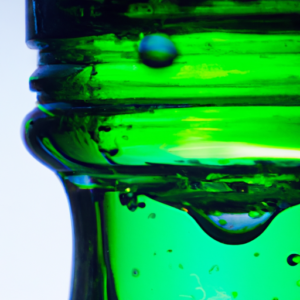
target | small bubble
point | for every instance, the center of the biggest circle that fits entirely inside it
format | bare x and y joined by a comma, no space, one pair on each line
234,294
222,222
170,250
135,273
157,51
217,213
254,214
283,205
180,266
113,152
298,283
152,216
256,254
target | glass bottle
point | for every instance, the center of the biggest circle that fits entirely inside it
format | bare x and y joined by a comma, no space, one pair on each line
173,126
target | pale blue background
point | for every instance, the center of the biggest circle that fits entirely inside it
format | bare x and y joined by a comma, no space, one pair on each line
35,226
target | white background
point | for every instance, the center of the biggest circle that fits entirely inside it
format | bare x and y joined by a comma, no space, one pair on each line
35,225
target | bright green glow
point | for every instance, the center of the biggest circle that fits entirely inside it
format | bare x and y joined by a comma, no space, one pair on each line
185,277
27,125
83,147
254,214
205,71
87,187
100,251
251,74
43,109
259,179
296,259
217,213
219,136
264,6
46,142
210,68
233,150
50,147
222,222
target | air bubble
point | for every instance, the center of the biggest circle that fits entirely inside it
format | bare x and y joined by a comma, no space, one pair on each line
135,273
254,214
157,51
152,216
222,222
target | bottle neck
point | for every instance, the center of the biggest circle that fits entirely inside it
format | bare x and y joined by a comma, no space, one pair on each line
92,278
